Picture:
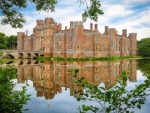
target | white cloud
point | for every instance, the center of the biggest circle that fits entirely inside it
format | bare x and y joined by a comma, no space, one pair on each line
8,30
116,10
135,1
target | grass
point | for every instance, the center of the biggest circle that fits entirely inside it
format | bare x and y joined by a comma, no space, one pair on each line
85,59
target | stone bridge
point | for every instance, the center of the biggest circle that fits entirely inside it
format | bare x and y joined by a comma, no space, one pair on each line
14,54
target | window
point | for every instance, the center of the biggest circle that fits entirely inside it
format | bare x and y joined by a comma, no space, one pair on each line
71,46
96,69
102,41
90,47
111,43
42,32
97,39
97,77
96,46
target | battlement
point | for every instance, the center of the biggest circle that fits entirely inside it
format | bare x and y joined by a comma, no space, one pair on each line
39,22
20,33
78,23
132,35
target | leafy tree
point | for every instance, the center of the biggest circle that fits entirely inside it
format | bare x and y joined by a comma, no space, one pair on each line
11,42
3,41
144,66
143,47
11,101
1,53
114,99
10,10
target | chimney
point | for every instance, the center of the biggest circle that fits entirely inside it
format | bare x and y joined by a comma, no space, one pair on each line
26,32
91,26
106,29
71,24
96,26
124,32
116,32
65,27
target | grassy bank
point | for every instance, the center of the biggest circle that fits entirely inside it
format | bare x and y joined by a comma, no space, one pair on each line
85,59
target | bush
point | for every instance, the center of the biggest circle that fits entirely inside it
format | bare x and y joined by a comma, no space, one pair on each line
115,99
11,101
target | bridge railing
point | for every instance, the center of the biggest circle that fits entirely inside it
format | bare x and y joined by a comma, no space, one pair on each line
8,50
30,51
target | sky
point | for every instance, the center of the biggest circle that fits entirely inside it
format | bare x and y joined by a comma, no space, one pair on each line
133,15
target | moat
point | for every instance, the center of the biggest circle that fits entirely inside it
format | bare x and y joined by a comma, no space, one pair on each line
50,84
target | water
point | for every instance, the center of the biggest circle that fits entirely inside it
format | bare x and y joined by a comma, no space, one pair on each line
50,84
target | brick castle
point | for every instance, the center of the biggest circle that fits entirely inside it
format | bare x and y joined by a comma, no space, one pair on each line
76,41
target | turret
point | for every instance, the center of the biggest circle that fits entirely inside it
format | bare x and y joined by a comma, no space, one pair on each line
133,44
20,40
96,27
106,30
71,25
91,26
39,22
124,32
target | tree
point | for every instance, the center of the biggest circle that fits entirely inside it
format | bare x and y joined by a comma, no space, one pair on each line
144,66
10,10
116,99
11,42
143,47
3,41
11,101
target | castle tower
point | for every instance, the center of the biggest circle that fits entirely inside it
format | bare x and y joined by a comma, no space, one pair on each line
20,40
133,44
78,31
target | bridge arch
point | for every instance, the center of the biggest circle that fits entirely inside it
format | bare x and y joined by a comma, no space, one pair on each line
29,55
9,55
36,54
21,55
41,54
21,62
29,62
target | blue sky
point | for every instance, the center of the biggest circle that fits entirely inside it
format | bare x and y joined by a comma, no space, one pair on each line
133,15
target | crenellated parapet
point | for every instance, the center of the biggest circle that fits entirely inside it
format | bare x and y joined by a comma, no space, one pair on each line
133,35
39,22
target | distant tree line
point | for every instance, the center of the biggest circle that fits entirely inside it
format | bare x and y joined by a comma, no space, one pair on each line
8,42
143,47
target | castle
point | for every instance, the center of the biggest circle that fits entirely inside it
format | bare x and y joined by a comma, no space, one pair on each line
76,41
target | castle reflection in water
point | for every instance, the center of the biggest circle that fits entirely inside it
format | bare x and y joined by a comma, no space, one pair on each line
49,77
